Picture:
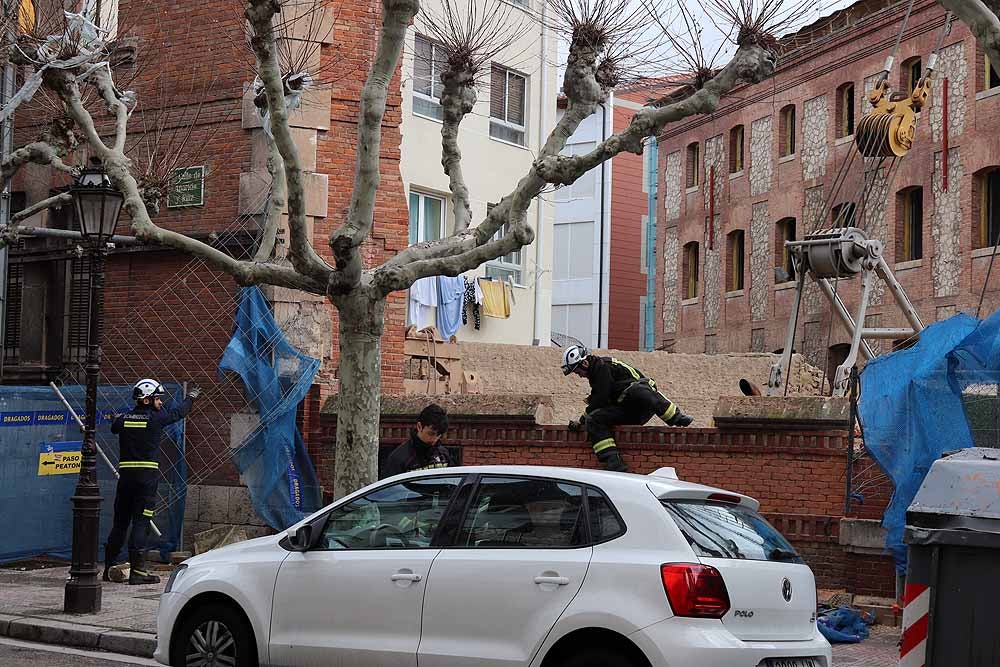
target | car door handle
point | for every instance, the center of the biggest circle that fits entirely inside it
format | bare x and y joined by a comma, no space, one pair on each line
401,576
560,581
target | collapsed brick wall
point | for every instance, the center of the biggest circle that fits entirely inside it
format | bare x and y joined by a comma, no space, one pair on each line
798,477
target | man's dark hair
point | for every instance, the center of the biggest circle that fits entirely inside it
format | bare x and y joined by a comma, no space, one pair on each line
436,416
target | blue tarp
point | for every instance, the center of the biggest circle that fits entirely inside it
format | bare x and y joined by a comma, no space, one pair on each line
37,439
843,625
273,460
912,410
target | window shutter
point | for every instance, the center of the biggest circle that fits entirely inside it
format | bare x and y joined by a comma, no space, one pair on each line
440,65
77,311
12,326
498,90
515,101
422,59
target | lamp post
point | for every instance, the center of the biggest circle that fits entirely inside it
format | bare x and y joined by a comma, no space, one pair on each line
97,206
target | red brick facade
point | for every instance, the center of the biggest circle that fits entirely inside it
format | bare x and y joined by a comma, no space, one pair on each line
848,48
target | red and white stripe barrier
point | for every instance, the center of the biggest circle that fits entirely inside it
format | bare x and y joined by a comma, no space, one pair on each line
916,613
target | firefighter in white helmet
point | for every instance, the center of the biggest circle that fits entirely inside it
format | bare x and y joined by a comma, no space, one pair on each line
139,434
619,395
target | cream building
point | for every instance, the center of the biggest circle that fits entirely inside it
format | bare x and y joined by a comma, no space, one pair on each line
499,140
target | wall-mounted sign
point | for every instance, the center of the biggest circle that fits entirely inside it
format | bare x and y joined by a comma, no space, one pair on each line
187,188
59,458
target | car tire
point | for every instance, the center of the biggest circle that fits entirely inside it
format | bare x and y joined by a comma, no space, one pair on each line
597,657
216,629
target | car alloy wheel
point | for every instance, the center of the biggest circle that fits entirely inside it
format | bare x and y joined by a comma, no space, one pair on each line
211,645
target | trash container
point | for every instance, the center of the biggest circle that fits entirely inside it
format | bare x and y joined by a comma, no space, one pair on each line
953,571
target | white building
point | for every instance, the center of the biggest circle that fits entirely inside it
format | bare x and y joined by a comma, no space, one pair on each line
499,140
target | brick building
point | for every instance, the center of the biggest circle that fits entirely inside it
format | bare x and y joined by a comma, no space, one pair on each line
775,149
170,316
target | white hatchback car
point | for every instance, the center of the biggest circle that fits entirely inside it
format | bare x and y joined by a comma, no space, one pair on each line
498,566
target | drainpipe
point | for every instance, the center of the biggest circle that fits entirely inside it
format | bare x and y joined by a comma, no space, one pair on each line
653,180
6,146
605,169
540,303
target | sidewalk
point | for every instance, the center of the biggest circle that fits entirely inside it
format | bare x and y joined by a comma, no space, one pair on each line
31,609
31,605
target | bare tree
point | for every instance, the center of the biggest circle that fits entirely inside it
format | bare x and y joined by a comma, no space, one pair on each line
599,31
983,19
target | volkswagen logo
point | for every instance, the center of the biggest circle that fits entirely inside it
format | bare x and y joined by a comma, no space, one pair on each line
786,590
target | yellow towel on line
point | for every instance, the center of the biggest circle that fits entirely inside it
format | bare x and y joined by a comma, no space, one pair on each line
495,301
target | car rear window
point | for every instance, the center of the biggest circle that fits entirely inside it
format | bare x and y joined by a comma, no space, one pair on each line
721,530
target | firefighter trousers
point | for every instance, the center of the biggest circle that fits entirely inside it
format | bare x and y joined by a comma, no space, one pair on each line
636,406
135,501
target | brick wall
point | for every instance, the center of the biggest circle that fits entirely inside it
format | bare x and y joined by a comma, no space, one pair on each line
798,477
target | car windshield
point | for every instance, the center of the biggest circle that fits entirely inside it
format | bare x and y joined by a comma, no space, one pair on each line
722,530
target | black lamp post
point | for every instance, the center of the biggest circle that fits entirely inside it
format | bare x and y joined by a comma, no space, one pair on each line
97,206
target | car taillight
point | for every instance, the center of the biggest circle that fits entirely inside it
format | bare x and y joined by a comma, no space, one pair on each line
695,591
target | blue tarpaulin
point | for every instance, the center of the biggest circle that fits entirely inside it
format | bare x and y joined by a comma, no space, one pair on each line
273,460
39,463
912,408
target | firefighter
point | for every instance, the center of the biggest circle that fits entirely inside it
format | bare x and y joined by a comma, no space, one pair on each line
423,450
619,394
139,433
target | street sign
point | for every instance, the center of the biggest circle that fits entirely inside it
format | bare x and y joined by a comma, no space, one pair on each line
59,458
187,188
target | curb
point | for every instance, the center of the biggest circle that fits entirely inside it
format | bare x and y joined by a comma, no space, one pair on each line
47,631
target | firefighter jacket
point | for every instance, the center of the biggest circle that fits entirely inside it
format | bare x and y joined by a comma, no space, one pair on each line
414,454
139,433
609,378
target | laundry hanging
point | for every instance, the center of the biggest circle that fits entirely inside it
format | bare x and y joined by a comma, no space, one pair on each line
495,300
423,300
473,299
451,299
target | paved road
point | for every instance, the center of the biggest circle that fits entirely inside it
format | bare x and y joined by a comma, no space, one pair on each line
15,653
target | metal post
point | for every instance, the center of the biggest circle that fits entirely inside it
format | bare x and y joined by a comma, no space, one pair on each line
83,590
780,369
840,380
850,440
845,317
884,272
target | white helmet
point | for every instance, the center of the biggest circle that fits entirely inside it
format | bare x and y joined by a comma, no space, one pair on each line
573,357
147,389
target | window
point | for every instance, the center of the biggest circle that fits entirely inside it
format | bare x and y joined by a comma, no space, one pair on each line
573,251
911,71
12,314
509,267
786,126
783,256
511,512
991,79
722,530
583,187
401,516
690,269
605,524
843,215
736,150
508,92
426,218
988,202
429,60
845,110
575,320
693,165
734,269
910,229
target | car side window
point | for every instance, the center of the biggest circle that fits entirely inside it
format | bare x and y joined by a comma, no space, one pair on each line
605,523
401,516
510,512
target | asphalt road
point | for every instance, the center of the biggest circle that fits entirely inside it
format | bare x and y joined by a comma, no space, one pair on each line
15,653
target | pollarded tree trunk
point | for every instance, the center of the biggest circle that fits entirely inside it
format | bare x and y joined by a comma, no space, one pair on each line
362,322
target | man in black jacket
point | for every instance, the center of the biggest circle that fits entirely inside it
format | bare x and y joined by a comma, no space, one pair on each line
139,433
423,450
619,395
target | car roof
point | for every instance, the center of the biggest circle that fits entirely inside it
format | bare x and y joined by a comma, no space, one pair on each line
660,486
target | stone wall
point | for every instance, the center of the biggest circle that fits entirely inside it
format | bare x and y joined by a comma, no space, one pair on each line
815,118
761,262
761,155
946,225
671,268
673,187
951,65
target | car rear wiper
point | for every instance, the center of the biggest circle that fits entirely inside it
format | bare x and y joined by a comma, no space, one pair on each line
781,554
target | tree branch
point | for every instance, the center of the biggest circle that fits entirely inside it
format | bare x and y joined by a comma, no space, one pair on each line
982,21
38,152
276,202
345,242
457,100
752,63
57,201
106,87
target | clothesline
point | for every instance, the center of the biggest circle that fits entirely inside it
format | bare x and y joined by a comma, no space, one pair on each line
453,297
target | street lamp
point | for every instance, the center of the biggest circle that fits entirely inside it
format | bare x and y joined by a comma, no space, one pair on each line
97,205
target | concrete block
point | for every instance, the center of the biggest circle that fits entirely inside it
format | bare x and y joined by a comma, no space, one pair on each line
777,412
46,631
313,112
140,644
241,511
317,187
302,19
862,536
254,187
242,426
305,144
5,620
214,504
192,502
215,538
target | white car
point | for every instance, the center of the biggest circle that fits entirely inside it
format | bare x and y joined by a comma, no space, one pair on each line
503,566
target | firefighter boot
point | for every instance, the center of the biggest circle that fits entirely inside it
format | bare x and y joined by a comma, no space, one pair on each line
611,458
140,574
674,417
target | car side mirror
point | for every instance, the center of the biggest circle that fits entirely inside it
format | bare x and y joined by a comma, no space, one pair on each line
300,539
